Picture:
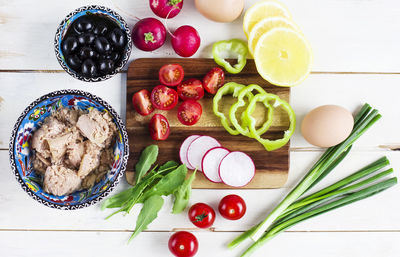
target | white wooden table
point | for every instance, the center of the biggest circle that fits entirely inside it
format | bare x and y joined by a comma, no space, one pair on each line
357,51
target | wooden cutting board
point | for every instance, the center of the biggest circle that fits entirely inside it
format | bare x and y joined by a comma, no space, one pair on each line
271,167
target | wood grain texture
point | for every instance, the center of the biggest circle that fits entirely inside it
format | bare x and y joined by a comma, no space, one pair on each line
271,167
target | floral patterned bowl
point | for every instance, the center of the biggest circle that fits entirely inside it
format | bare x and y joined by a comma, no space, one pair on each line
85,10
21,154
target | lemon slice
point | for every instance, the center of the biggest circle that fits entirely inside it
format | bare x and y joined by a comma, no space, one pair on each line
266,25
261,10
283,57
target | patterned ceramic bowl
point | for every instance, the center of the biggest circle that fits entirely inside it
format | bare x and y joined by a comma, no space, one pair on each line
21,154
85,10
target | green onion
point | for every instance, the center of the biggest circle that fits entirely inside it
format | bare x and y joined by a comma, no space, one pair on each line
363,120
348,199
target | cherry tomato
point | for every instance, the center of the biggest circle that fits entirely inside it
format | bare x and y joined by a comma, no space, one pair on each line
201,215
141,102
232,207
213,80
191,89
159,127
171,74
183,244
164,98
189,112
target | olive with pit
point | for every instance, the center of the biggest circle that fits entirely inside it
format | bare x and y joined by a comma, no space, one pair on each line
100,29
82,25
102,45
74,62
69,45
106,66
86,39
89,68
117,38
114,56
87,53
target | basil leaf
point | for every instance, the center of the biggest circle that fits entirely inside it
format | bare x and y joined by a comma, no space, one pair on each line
147,214
182,195
168,184
147,158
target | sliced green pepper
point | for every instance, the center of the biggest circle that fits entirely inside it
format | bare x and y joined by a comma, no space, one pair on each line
236,46
246,119
230,88
270,145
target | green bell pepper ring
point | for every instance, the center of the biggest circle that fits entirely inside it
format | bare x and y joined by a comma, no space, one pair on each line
236,46
246,120
271,145
230,88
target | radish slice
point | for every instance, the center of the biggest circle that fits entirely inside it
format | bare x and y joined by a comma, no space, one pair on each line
184,148
211,161
236,169
198,148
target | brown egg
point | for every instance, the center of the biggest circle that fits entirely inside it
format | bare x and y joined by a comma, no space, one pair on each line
220,10
327,125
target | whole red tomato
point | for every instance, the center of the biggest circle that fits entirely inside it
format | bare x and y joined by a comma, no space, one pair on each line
201,215
183,244
232,207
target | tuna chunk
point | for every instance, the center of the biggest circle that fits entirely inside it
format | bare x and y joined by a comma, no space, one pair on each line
59,180
95,126
58,146
40,163
50,128
74,155
90,160
67,115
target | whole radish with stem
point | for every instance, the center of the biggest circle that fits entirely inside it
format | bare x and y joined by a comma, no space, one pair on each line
148,34
166,9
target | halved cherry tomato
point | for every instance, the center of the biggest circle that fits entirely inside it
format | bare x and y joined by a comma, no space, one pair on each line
164,98
183,244
191,89
159,127
171,74
202,215
141,102
189,112
232,207
213,80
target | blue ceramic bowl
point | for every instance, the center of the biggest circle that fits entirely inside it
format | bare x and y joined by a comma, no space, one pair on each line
21,154
97,10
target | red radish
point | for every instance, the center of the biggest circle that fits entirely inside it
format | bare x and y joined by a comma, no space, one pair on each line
184,148
211,161
166,8
148,34
198,148
236,169
185,41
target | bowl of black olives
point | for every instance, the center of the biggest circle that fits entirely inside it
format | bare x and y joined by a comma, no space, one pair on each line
93,43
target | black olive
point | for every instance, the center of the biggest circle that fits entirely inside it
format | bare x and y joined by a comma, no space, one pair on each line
102,45
69,45
100,29
86,39
117,37
82,24
106,66
114,56
89,69
87,53
74,62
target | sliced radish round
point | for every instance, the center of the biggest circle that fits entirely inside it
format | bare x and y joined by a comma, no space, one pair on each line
198,148
236,169
211,161
183,150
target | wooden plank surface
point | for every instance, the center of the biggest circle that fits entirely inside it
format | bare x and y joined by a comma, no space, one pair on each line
271,167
